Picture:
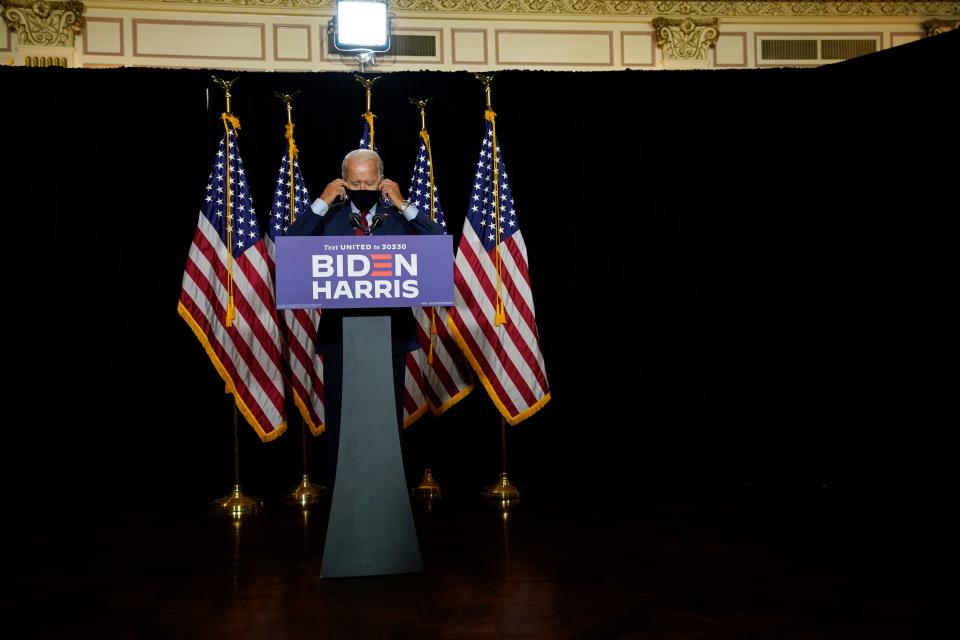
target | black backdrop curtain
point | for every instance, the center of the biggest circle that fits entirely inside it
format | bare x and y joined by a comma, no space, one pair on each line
739,275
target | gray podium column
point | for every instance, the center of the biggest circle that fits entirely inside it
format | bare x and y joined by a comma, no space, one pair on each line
371,530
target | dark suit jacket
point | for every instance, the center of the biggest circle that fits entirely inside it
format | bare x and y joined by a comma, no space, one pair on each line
336,222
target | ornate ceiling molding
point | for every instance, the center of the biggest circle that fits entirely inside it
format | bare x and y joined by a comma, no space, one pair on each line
804,8
43,23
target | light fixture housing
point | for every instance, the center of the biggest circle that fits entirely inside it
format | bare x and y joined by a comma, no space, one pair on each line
360,25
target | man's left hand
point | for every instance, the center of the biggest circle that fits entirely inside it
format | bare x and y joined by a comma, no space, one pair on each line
390,190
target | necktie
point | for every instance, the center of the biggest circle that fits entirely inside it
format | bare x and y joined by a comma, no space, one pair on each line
363,223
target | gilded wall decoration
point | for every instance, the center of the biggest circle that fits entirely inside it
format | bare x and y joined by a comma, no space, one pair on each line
686,38
936,27
43,23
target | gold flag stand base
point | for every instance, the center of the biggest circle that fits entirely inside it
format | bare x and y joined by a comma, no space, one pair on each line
503,495
503,491
306,493
428,487
236,504
427,492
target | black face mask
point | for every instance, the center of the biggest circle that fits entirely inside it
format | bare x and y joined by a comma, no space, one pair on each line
362,199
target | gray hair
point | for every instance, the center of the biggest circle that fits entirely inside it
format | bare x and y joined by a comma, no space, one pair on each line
361,155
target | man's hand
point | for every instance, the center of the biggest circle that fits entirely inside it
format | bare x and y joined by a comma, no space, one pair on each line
336,190
390,190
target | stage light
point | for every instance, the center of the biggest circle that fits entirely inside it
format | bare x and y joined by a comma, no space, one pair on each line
361,26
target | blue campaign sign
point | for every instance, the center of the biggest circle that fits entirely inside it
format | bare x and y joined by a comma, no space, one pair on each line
351,272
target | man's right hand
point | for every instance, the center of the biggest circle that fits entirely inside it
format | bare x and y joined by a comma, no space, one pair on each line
336,190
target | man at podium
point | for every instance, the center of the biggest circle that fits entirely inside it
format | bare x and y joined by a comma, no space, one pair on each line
362,202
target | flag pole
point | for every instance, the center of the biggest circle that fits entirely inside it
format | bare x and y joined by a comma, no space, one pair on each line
306,493
236,504
428,488
228,119
503,492
500,316
368,114
292,150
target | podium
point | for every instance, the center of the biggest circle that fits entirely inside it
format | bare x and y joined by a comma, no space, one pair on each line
371,529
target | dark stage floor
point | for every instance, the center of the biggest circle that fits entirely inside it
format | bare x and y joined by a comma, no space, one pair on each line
745,562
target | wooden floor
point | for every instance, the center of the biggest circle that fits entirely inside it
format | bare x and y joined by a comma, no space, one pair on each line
738,563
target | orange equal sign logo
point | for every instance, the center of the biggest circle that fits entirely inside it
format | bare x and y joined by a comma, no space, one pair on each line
382,265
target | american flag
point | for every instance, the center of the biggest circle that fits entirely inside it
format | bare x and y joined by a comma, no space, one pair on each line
299,325
415,384
494,319
227,293
367,141
437,374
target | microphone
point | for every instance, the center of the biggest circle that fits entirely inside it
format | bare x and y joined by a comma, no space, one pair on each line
376,222
355,222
